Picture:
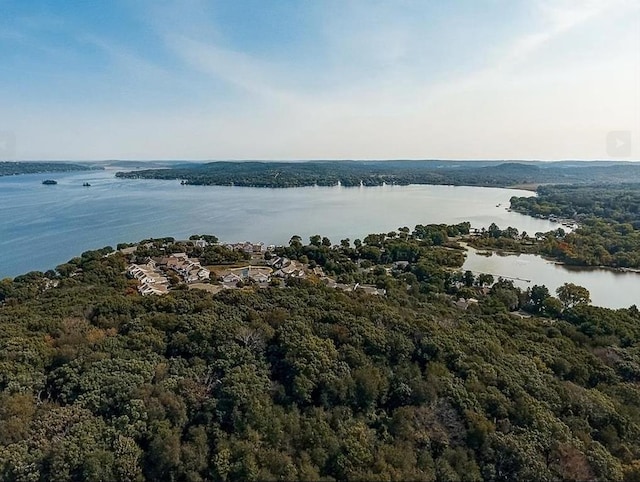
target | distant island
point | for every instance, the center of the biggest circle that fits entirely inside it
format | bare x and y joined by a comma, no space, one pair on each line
376,173
15,168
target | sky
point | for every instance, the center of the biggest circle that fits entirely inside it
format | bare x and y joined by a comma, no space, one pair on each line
322,79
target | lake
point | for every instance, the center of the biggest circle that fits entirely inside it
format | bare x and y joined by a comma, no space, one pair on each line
43,226
608,288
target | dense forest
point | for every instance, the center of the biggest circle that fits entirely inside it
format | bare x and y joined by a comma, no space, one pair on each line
609,202
376,173
609,229
306,382
13,168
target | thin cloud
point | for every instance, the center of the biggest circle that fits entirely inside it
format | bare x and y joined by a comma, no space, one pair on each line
124,57
557,17
236,68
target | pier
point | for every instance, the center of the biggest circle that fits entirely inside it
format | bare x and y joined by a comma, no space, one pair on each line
514,278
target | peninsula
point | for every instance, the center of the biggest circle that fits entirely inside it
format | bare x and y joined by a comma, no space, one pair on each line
28,167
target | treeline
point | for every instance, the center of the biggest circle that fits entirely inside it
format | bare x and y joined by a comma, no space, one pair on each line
369,173
609,217
13,168
212,253
594,243
613,203
425,255
310,383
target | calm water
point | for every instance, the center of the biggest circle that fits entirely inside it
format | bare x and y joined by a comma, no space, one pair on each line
609,288
43,226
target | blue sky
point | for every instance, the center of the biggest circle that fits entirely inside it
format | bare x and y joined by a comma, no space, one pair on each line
368,79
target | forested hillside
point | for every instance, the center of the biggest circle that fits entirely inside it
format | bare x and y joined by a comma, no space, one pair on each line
614,203
376,173
306,382
13,168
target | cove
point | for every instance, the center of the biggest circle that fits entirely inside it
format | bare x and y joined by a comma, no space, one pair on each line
608,287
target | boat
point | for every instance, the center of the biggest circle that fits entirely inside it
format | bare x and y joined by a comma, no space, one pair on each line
86,184
49,182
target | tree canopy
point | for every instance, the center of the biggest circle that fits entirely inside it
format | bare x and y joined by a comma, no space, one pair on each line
306,382
377,173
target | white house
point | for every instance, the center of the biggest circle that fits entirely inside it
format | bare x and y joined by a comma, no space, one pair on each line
231,278
260,277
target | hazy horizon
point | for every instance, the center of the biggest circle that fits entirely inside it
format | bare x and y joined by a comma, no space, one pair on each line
203,161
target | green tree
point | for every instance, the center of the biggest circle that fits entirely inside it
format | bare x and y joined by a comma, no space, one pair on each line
571,295
552,307
295,242
469,278
537,296
484,279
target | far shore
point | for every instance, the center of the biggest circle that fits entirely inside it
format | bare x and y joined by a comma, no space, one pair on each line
526,187
490,251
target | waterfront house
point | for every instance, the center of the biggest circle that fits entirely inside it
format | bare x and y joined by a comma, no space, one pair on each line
151,280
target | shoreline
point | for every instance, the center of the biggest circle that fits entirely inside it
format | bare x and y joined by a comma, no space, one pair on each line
578,267
533,187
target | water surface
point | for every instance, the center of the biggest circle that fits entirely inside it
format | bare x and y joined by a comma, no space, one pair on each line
43,226
609,288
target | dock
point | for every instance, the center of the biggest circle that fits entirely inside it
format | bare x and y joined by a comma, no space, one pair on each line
514,278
